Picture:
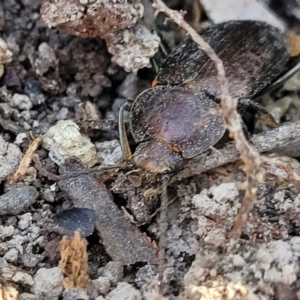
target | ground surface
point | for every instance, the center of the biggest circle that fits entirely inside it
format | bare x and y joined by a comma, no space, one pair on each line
55,77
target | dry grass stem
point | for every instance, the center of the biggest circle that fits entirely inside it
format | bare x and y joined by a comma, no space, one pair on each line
248,154
74,262
25,162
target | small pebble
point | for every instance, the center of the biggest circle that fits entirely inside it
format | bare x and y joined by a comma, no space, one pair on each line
48,283
6,231
17,200
213,273
110,152
10,155
20,138
11,255
75,294
24,278
48,195
27,296
102,285
22,102
24,221
70,220
124,291
114,271
238,261
64,140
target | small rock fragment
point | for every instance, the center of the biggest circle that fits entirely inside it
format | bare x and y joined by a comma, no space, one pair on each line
132,48
102,285
20,138
122,240
46,65
114,271
17,200
6,231
24,221
22,277
224,192
75,294
48,283
64,140
75,219
276,259
110,152
91,18
45,60
31,260
11,255
33,90
22,102
10,155
27,296
225,10
124,291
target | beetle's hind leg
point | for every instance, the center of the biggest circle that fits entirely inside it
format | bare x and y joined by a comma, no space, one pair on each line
269,119
163,225
161,54
126,151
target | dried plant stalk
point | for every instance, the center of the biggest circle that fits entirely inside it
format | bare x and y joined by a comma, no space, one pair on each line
25,162
74,262
248,154
7,291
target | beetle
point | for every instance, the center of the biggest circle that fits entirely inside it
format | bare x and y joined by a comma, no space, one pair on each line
170,124
254,55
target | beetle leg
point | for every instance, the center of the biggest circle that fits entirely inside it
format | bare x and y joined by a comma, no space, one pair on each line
161,54
269,119
163,224
154,64
126,151
279,81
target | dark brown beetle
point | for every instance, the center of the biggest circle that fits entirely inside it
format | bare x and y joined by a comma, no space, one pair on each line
180,120
254,55
171,124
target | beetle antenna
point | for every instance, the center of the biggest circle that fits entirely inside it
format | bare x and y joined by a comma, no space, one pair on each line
163,225
127,154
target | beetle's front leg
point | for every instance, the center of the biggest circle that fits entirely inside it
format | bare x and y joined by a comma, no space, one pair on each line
269,119
126,151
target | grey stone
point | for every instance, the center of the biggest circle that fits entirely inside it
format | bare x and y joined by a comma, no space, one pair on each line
124,291
48,283
17,200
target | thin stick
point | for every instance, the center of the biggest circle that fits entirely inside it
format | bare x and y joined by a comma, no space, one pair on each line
248,154
25,162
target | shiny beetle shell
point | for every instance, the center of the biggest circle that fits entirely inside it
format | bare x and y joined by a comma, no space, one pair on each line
253,53
188,121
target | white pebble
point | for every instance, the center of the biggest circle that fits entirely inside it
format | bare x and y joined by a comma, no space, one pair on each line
21,102
48,283
64,140
6,231
24,221
12,255
124,291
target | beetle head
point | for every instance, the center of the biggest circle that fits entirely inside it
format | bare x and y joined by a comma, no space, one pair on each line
156,156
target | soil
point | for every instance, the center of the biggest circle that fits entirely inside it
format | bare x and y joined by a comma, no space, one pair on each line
68,90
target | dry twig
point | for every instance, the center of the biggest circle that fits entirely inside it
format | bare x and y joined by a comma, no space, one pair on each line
25,162
248,154
74,262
